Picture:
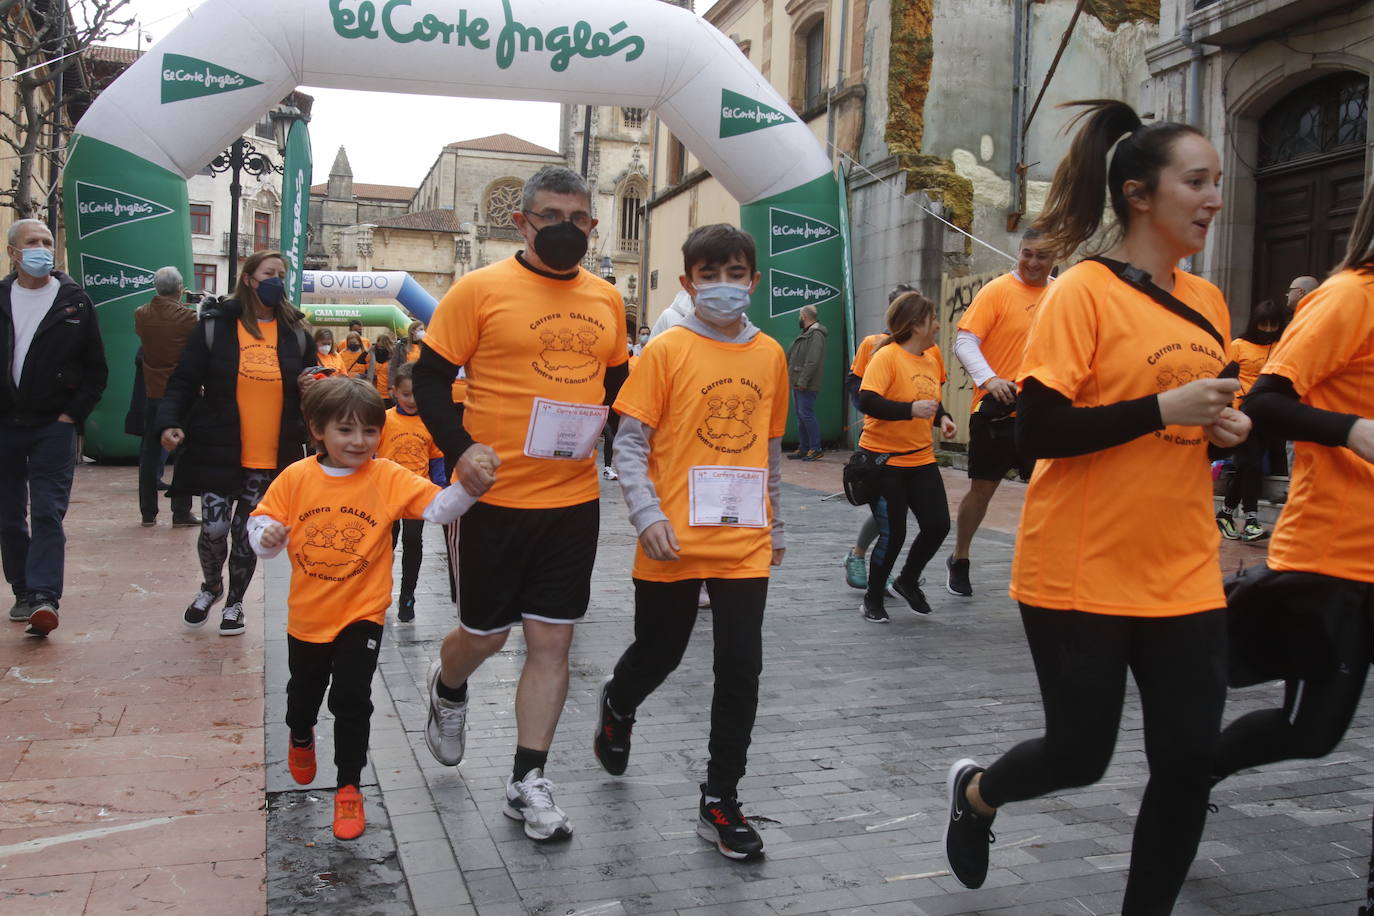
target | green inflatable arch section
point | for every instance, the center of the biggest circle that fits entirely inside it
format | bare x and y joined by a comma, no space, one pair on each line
230,61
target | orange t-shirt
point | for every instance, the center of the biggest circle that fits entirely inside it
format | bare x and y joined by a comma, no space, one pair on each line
406,441
380,379
1327,526
331,360
898,375
1127,530
459,391
522,335
1251,358
260,397
339,540
709,404
1000,317
349,362
864,354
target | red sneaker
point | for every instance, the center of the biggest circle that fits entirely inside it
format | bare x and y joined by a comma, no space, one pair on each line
301,762
349,822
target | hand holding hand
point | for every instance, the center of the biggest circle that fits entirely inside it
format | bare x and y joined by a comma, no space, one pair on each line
477,468
1230,429
1197,403
660,541
274,535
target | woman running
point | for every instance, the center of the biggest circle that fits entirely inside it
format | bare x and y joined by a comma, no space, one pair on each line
1116,555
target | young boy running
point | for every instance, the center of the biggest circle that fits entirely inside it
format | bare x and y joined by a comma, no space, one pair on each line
334,512
699,454
406,441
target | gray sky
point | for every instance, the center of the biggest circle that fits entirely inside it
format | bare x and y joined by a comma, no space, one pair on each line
376,156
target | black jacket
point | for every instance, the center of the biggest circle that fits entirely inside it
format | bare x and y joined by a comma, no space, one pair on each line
65,369
202,400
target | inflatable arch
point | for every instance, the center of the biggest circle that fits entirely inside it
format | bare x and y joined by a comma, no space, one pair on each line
339,315
213,76
371,284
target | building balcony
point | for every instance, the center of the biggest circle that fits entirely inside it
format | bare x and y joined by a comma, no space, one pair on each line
1227,23
629,246
248,245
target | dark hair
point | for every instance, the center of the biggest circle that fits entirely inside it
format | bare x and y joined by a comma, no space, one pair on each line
903,314
405,372
1084,180
898,290
341,398
1359,250
718,243
247,297
1031,234
357,321
1265,312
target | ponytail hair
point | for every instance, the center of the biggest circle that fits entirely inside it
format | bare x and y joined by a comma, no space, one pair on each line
903,314
1086,179
1359,251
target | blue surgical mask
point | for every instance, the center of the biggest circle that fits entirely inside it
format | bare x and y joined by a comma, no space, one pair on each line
272,290
36,262
721,304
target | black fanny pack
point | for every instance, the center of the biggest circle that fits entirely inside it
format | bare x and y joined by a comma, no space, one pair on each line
861,474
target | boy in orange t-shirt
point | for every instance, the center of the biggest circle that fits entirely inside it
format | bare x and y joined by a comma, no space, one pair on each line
700,454
406,441
333,512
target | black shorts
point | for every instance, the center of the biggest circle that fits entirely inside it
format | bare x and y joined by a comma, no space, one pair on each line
992,450
525,563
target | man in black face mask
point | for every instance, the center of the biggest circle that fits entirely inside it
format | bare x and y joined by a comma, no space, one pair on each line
544,345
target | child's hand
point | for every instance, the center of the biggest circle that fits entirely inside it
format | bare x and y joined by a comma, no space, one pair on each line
660,541
274,535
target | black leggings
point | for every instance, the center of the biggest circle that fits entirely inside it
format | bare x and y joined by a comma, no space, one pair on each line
665,613
1244,487
1316,711
1081,660
411,533
344,666
921,490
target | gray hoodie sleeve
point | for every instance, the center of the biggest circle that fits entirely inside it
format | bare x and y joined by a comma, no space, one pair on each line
632,464
775,490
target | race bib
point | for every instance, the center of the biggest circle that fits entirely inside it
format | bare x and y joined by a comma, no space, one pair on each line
729,496
564,431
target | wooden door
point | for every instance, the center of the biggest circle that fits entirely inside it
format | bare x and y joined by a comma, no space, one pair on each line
1302,221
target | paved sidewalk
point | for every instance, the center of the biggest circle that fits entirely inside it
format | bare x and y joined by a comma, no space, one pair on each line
133,776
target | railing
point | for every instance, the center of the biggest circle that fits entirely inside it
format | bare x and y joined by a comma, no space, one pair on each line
629,246
247,245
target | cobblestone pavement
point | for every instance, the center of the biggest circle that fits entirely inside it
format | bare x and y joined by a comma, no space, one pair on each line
857,724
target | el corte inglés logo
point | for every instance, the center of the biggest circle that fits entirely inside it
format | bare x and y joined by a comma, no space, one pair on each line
740,114
190,78
106,280
789,292
99,208
788,231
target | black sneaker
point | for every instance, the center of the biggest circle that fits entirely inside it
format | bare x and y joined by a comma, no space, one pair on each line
43,620
199,608
231,623
913,595
721,822
612,743
874,611
968,834
957,583
405,608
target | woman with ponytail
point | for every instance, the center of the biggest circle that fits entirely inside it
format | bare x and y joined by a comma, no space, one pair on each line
1315,391
1116,564
234,402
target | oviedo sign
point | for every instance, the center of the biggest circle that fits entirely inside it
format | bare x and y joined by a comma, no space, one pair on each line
217,73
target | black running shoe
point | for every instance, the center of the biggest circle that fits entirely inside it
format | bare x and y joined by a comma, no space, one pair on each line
612,743
968,834
957,582
913,595
874,612
721,822
405,608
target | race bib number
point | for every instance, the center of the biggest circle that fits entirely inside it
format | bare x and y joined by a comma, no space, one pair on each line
564,431
729,496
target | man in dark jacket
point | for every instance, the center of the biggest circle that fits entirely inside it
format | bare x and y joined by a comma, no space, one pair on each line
805,361
54,373
163,325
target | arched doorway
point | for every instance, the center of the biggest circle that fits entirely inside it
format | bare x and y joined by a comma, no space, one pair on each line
1309,178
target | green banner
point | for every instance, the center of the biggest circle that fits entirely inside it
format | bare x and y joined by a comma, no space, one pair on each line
125,218
295,203
190,78
802,264
740,114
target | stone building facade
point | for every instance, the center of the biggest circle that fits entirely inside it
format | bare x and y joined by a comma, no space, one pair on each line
1282,88
341,203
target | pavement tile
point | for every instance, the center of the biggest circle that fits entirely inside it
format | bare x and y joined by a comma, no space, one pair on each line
96,800
225,887
63,895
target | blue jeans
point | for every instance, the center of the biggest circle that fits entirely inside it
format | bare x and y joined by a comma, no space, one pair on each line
36,469
808,430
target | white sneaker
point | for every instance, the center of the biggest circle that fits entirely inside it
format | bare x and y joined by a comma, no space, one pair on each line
446,727
531,800
609,473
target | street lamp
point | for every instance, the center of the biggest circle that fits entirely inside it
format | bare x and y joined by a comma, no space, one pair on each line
607,269
241,156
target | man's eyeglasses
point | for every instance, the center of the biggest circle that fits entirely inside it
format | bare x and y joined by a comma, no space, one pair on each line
580,219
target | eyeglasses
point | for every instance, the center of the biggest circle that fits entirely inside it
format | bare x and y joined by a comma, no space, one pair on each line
581,219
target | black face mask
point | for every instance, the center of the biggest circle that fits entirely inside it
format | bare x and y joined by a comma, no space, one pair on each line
560,246
1264,338
355,347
